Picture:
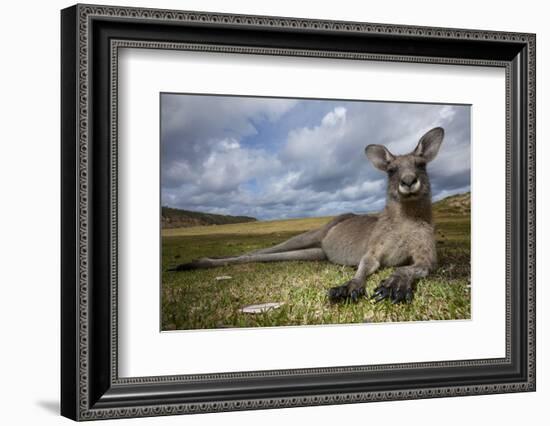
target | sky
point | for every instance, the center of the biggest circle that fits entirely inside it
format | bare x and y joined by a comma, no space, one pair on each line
276,158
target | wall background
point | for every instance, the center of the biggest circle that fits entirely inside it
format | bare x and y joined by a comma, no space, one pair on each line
29,217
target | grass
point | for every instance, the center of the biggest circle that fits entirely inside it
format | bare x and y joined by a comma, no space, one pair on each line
292,226
196,300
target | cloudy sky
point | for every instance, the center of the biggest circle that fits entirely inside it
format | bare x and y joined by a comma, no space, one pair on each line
274,158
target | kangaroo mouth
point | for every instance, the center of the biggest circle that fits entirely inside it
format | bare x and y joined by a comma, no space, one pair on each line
409,191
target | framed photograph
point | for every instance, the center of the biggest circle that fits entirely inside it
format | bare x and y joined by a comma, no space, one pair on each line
270,183
263,212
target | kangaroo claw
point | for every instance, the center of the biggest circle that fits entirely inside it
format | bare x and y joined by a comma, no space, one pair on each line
396,289
380,293
397,297
335,293
356,294
350,290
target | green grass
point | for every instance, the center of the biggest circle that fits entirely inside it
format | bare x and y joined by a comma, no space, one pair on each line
195,300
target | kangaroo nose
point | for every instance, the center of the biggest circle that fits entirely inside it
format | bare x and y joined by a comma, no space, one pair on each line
408,180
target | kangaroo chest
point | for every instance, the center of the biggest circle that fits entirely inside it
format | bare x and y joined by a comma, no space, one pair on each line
395,243
394,250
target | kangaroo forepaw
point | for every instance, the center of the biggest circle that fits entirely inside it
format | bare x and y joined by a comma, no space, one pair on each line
395,288
351,290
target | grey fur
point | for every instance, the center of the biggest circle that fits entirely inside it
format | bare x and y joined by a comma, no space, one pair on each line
401,236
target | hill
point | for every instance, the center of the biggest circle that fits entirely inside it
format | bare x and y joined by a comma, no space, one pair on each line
177,218
458,204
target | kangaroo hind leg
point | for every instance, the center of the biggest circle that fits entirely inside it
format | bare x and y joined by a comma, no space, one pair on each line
305,240
204,263
301,241
309,239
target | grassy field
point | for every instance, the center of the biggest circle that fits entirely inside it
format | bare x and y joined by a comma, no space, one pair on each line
196,300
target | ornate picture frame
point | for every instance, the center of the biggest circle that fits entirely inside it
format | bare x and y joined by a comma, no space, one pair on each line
91,37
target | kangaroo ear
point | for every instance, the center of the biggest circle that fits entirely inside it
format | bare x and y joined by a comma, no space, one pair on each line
429,144
379,156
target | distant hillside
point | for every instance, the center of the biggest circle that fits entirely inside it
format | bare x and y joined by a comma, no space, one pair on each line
176,218
454,205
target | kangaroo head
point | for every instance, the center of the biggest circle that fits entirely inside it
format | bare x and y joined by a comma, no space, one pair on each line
407,176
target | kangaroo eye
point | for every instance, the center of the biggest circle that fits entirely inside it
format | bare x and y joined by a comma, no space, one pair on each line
421,165
392,170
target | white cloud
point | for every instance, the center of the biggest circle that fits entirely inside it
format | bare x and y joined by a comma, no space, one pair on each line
226,169
334,118
229,144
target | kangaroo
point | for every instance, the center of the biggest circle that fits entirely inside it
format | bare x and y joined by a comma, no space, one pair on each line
401,236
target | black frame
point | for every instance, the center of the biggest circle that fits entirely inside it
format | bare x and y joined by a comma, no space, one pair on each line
90,386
